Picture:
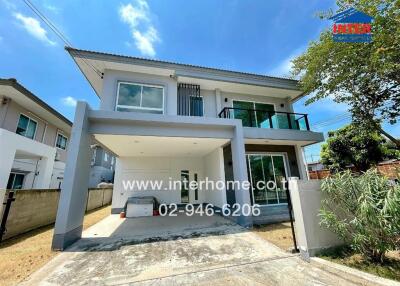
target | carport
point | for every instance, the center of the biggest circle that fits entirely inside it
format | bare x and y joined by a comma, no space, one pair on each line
153,134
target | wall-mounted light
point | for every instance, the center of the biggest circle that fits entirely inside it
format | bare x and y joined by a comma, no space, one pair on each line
282,105
226,99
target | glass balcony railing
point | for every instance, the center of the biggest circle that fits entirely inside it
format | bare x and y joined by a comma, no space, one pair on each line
267,119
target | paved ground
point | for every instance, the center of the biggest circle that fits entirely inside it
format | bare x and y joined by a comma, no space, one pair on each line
177,251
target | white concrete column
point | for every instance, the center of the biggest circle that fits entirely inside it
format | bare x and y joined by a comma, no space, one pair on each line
218,102
72,203
46,165
301,162
242,195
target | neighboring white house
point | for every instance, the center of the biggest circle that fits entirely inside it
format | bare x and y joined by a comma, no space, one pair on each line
167,121
33,140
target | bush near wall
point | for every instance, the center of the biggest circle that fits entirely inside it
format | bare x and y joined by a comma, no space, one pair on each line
36,208
389,169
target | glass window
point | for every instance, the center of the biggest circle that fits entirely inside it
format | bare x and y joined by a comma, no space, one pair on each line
15,181
263,113
61,141
245,111
105,157
196,106
26,126
140,98
267,168
152,97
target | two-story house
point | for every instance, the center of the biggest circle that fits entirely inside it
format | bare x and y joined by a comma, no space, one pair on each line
166,121
33,140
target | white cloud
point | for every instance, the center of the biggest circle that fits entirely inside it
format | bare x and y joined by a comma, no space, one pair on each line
69,101
33,27
9,5
144,34
52,8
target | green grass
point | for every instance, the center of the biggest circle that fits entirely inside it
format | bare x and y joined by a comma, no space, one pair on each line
390,268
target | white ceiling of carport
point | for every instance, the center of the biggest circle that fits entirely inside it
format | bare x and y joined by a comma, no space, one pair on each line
130,146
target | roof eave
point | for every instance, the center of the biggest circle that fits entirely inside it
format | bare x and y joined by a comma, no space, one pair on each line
15,84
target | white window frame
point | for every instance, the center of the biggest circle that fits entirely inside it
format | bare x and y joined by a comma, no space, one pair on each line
285,164
55,143
30,119
141,96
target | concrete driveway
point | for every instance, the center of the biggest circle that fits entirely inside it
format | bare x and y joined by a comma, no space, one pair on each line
177,251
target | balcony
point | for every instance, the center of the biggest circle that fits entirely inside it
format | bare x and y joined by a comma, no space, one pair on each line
267,119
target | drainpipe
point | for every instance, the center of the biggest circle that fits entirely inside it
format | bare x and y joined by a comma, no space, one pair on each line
10,199
290,209
35,173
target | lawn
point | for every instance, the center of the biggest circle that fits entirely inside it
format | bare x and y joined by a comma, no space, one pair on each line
22,255
344,255
279,234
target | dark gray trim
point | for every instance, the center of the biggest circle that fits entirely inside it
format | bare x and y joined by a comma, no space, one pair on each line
14,83
62,241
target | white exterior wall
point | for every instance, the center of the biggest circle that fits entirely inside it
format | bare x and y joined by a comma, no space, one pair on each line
214,171
166,169
28,167
110,88
214,100
12,144
58,175
306,201
230,97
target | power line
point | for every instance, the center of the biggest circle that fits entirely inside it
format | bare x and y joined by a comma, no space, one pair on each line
58,33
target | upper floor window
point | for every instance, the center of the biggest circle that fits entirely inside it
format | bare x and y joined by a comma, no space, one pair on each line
140,97
190,102
105,157
61,141
26,126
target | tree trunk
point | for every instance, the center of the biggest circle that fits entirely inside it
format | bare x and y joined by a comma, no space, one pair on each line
390,137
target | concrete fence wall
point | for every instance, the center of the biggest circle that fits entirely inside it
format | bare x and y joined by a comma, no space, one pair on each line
35,208
306,200
390,169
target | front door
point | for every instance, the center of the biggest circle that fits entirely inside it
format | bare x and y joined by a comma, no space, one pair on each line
271,169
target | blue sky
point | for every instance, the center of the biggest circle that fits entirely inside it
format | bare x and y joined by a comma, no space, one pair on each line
253,36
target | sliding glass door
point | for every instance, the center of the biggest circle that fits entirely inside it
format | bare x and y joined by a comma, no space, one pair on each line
270,169
253,114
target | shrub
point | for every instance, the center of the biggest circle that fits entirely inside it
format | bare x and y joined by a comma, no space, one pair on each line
364,211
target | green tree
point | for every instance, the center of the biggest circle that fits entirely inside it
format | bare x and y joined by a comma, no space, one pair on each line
366,76
364,211
352,145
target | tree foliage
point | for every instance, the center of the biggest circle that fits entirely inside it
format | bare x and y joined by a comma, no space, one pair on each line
364,211
352,145
366,76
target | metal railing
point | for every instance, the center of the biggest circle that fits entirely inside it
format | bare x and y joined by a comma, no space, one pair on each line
267,119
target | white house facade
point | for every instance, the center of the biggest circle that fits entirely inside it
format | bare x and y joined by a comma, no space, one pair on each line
168,122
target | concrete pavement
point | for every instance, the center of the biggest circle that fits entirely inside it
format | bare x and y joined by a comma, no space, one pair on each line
177,251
